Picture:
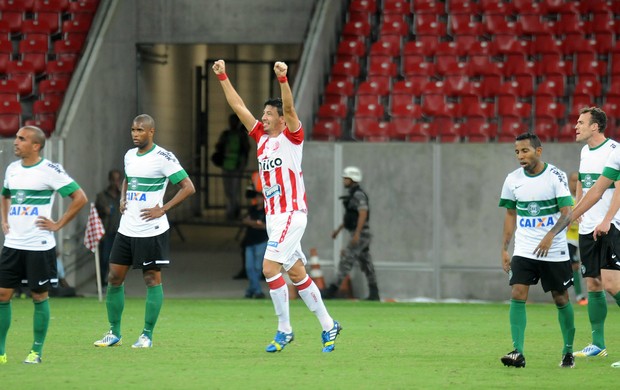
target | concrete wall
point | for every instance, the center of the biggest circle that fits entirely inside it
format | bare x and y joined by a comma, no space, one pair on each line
434,216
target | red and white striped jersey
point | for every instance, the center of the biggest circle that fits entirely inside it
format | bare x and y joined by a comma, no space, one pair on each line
279,166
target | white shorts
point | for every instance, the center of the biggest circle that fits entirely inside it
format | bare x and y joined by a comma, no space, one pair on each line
285,232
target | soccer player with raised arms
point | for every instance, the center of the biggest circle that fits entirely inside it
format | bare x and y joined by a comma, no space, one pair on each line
142,240
29,250
537,200
279,136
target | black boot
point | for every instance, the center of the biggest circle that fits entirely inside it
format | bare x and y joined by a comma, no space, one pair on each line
374,293
330,292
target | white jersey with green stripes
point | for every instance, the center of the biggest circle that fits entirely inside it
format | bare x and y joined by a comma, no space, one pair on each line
147,176
612,171
537,200
32,189
593,161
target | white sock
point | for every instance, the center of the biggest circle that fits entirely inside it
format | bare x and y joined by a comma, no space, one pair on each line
310,293
279,296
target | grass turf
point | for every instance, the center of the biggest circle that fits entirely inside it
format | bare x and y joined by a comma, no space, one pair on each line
219,344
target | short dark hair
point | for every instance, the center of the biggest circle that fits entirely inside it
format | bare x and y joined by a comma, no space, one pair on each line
597,116
145,120
38,135
534,140
275,102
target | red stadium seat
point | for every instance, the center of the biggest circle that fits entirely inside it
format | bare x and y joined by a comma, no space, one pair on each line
408,87
10,118
75,29
67,49
427,46
24,74
60,69
332,111
386,46
340,88
394,27
83,6
368,6
566,133
356,29
447,129
52,19
6,54
53,88
327,130
511,126
477,129
36,29
47,125
370,110
46,109
351,49
9,90
349,69
34,50
546,129
379,65
398,7
374,87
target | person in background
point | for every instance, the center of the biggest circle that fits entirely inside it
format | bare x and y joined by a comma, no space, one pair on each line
537,201
234,147
107,204
356,223
255,243
29,251
572,238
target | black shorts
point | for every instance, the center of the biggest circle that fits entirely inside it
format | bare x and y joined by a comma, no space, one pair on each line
572,252
554,276
599,254
141,252
36,269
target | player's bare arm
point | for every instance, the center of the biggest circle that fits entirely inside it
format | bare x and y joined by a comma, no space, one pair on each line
232,97
510,221
605,225
542,250
123,201
590,198
5,205
288,106
78,200
187,189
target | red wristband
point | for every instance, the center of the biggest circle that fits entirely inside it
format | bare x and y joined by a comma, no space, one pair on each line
222,76
282,79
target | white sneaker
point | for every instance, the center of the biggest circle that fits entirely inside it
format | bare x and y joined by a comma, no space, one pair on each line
143,342
109,340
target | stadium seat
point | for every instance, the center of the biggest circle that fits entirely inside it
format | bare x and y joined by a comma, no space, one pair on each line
510,127
60,69
405,109
34,50
24,74
46,125
332,111
591,87
347,70
532,24
46,109
388,45
10,118
464,24
425,46
477,129
398,7
67,49
546,129
427,7
339,90
6,54
14,20
566,133
9,90
416,67
402,129
53,88
366,6
394,27
379,65
75,29
447,130
375,87
356,29
83,6
351,50
429,25
408,87
52,19
327,130
370,110
463,7
32,28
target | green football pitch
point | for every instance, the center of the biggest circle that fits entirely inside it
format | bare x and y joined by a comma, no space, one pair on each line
219,344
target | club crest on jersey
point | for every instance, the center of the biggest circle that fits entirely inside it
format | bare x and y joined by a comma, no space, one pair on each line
137,196
533,208
270,164
20,197
536,222
24,211
133,183
587,181
272,191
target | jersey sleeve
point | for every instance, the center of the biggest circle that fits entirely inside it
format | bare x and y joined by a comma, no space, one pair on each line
563,195
257,131
59,180
612,166
507,197
361,200
296,137
171,168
